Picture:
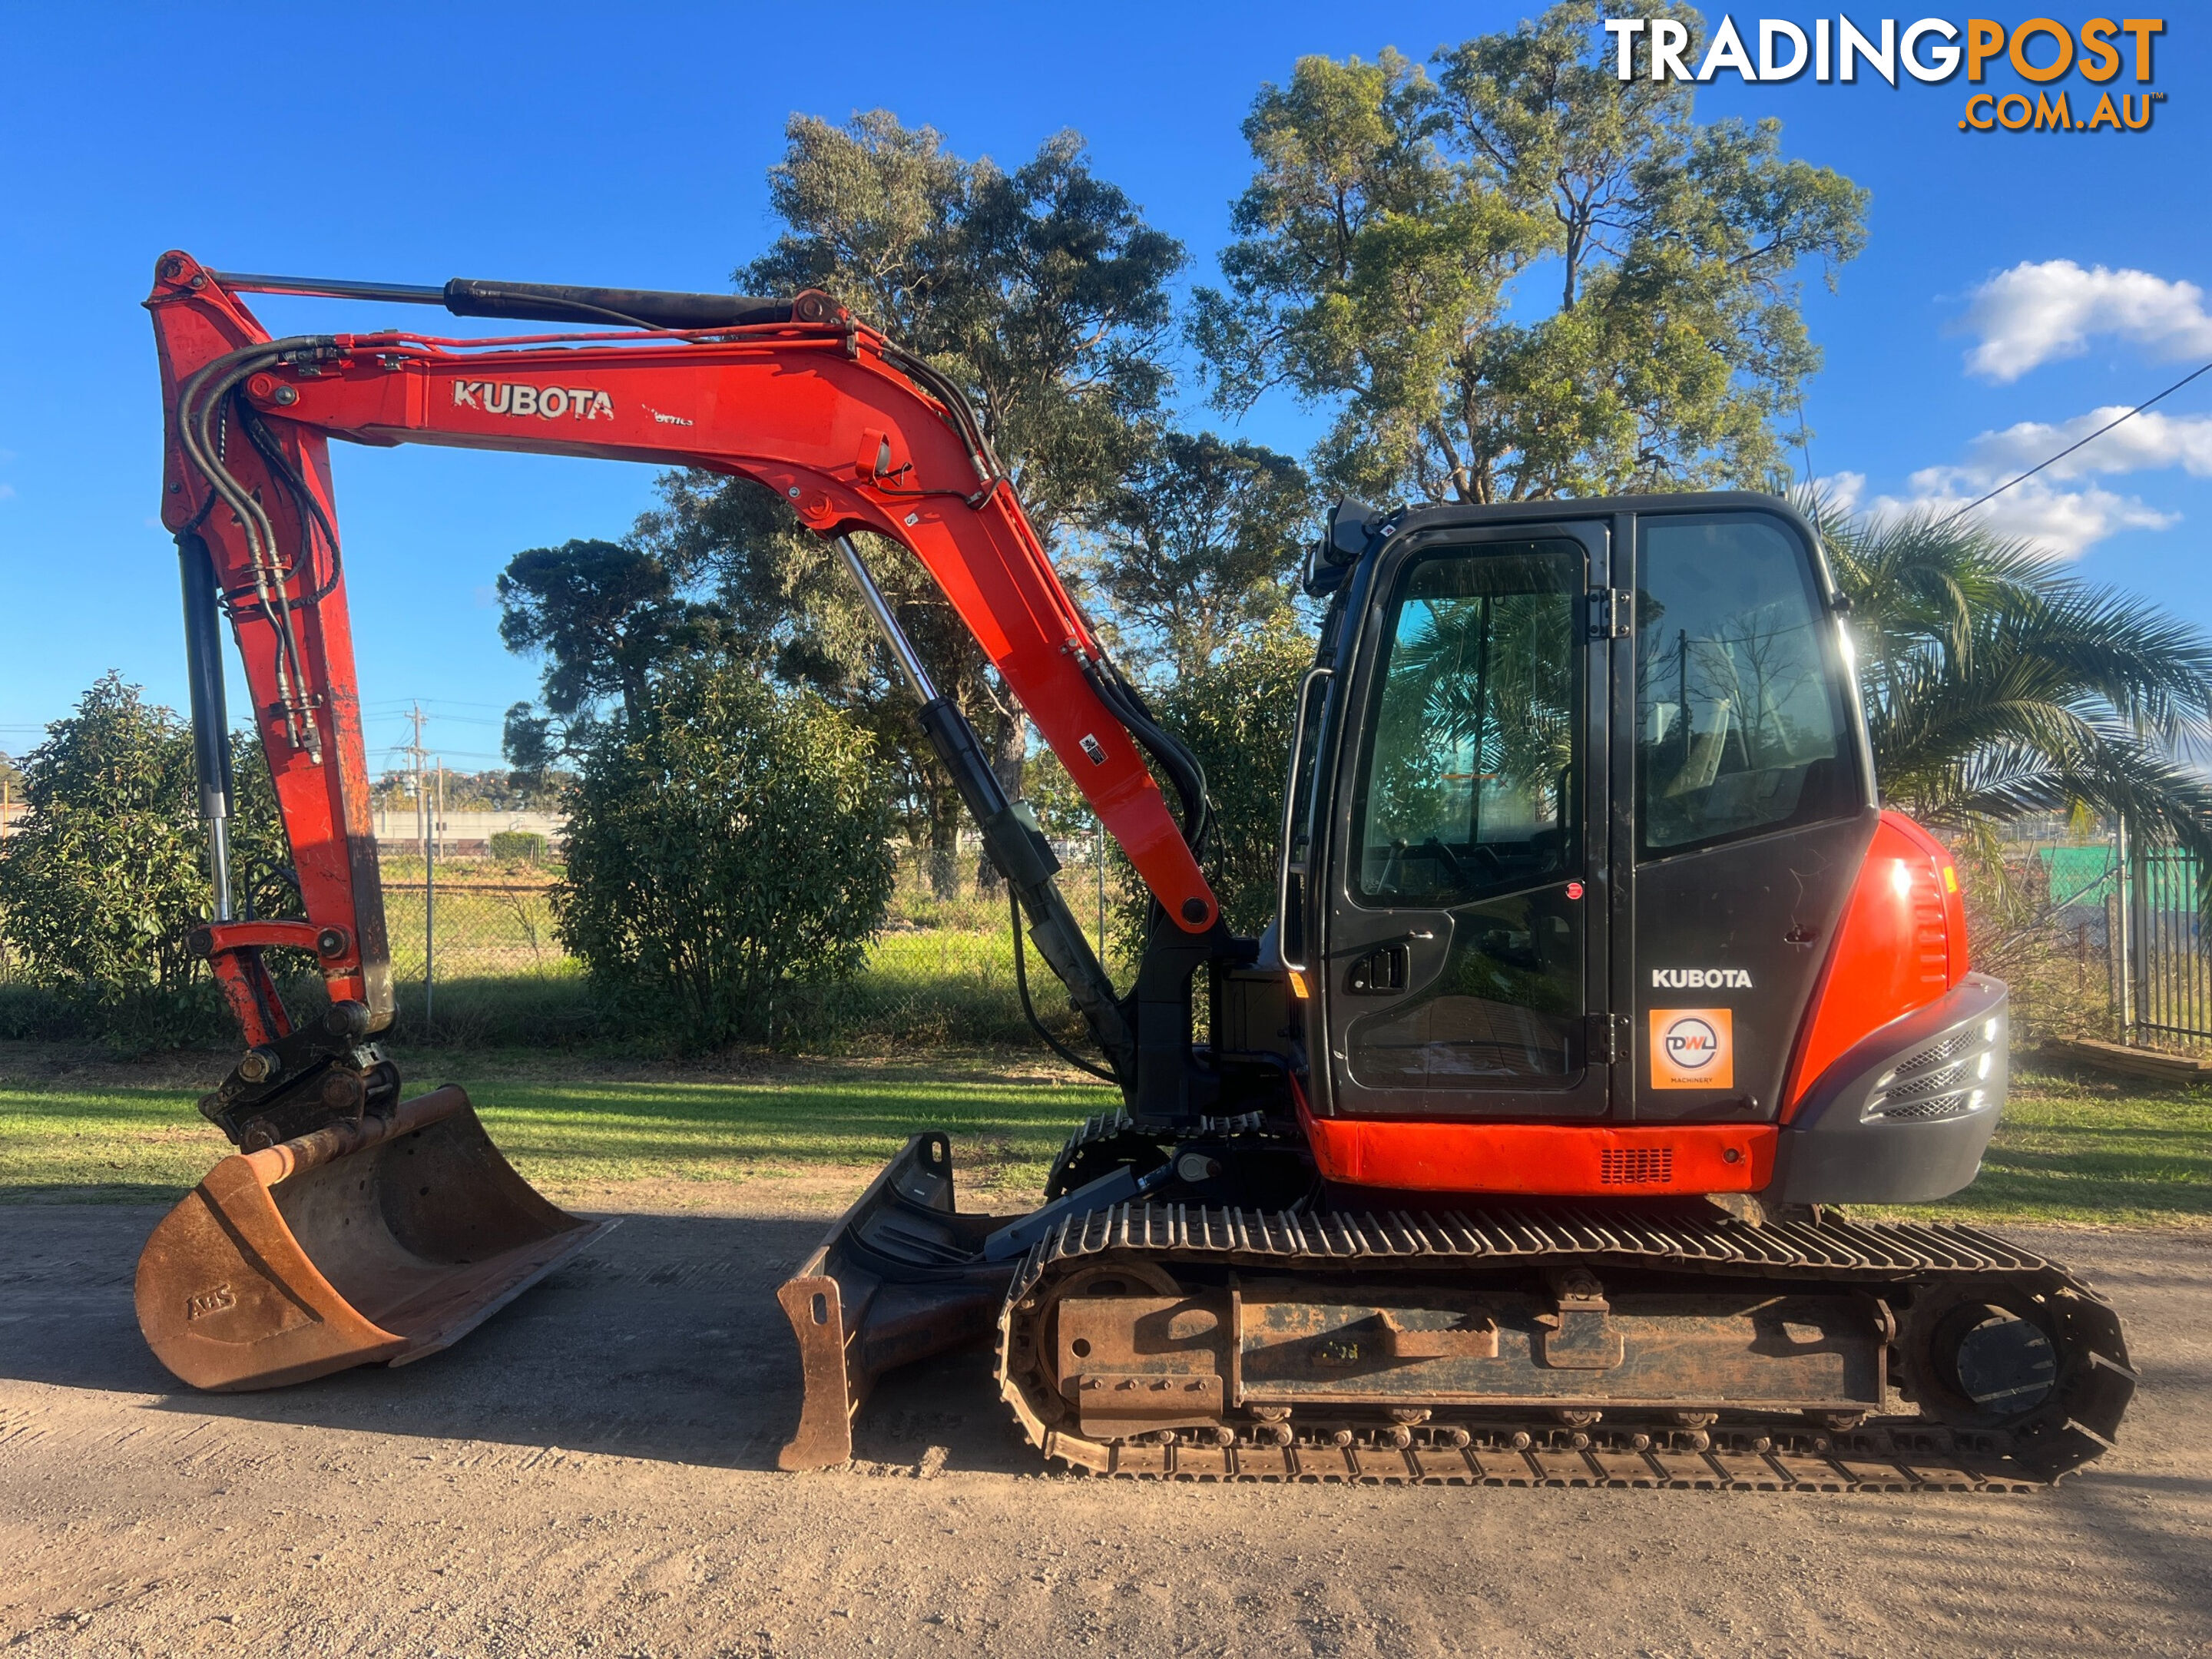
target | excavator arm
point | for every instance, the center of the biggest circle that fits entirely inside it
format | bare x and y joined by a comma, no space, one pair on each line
796,395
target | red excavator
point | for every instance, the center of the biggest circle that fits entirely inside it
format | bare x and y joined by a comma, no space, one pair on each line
1514,1147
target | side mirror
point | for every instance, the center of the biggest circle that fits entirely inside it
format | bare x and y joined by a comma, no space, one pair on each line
1351,529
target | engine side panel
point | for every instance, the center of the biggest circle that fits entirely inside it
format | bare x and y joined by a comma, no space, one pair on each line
1733,938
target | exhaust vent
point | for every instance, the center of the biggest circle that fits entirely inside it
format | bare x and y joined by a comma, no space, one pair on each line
1637,1166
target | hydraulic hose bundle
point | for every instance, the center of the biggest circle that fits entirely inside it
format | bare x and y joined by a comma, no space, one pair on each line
203,403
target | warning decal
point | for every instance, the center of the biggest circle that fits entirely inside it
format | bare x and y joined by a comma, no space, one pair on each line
1693,1049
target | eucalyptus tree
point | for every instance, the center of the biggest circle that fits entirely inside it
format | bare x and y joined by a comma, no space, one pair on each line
1197,548
1041,291
1522,278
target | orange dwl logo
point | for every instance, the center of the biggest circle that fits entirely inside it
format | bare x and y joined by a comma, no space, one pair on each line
1693,1049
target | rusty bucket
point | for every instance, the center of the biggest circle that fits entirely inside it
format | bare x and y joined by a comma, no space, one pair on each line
380,1241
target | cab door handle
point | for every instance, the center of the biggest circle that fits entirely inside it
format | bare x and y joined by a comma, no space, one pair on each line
1381,973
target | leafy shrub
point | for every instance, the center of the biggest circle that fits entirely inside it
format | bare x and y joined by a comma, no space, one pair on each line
517,847
726,856
106,874
1236,713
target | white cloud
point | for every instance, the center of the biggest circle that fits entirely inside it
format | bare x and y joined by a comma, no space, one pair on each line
1842,490
2042,510
2059,522
2062,523
7,492
2035,312
2149,441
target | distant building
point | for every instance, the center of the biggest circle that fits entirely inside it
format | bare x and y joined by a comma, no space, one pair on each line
464,834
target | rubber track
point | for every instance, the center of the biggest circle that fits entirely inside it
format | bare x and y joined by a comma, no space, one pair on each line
1855,1462
1885,1455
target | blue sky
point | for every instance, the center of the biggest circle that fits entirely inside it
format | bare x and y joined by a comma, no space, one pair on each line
586,144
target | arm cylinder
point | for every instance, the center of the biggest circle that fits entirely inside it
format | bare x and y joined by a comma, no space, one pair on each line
552,302
1011,836
210,713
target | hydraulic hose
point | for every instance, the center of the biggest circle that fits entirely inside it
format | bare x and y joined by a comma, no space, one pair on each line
1029,1008
1184,773
198,400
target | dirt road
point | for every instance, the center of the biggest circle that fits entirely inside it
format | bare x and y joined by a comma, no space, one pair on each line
593,1473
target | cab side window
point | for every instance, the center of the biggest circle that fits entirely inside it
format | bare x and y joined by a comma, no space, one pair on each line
1739,722
1470,784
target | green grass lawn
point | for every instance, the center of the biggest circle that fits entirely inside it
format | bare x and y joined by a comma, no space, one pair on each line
2069,1150
2090,1149
63,1140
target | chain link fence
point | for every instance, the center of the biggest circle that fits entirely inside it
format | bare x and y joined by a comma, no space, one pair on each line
477,954
2098,935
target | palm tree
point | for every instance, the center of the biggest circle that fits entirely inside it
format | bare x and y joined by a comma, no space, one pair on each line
1997,685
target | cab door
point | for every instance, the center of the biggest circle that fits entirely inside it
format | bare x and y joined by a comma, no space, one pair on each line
1464,961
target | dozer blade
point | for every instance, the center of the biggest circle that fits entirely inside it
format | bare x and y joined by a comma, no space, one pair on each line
900,1278
384,1240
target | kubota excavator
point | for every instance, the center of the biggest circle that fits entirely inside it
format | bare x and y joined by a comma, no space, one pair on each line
1513,1150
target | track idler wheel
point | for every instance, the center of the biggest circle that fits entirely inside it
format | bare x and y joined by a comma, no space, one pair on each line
2041,1366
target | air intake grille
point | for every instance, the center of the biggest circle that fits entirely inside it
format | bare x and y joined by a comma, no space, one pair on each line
1937,1081
1957,1103
1967,1037
1944,1077
1637,1166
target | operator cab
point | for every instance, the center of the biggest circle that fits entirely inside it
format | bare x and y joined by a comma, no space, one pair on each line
1582,789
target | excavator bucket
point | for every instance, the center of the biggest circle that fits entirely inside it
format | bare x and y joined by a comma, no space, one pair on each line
901,1277
383,1240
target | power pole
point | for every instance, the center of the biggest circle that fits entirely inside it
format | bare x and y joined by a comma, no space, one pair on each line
425,824
2123,941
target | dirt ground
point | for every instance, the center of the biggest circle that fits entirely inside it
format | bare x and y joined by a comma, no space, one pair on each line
593,1473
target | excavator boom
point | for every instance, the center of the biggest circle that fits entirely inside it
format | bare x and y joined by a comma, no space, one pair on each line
854,433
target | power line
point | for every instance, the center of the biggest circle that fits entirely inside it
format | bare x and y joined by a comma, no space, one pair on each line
2070,448
404,703
436,752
